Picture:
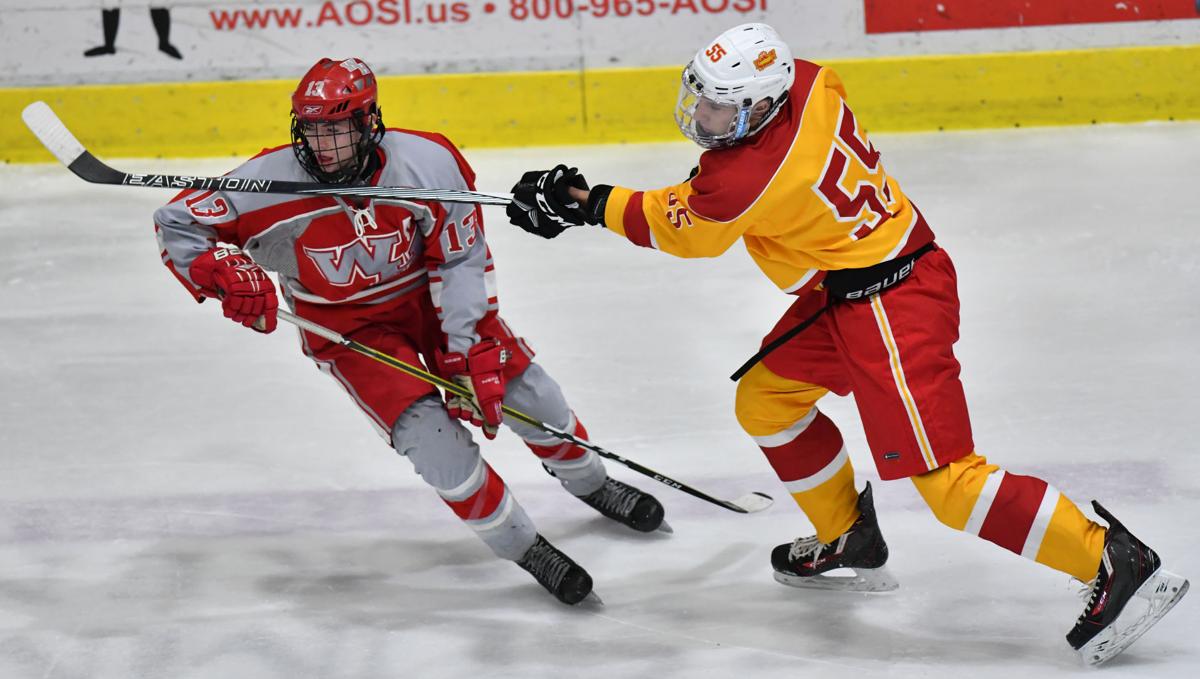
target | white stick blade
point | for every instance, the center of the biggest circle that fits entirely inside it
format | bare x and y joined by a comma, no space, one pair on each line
754,502
51,132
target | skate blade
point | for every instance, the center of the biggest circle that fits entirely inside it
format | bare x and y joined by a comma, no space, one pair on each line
1159,594
863,580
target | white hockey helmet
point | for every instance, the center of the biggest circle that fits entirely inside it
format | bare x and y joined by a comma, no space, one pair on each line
727,78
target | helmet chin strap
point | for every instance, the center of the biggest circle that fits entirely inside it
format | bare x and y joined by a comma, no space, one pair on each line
776,107
743,120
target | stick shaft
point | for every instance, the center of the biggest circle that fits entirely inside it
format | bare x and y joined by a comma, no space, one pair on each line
55,136
453,388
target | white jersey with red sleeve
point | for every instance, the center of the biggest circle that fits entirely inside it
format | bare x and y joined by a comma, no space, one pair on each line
329,252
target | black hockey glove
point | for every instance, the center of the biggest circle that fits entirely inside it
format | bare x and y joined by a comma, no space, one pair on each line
542,205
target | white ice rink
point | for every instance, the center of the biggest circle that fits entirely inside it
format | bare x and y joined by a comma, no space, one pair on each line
181,497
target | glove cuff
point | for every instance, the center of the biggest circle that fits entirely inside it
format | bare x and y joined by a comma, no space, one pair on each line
202,268
452,363
596,204
488,355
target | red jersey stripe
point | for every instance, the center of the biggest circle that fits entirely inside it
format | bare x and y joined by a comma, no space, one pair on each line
442,140
637,229
254,221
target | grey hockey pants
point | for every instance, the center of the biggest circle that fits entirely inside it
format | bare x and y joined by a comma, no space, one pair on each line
445,456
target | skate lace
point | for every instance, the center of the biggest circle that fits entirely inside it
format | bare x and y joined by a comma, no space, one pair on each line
802,547
546,564
616,498
1087,592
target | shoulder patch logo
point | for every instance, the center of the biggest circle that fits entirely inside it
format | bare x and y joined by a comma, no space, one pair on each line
765,59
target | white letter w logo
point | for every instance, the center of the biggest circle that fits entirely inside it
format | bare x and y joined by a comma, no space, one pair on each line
380,258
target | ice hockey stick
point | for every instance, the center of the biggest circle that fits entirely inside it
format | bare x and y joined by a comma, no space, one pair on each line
55,136
47,127
746,504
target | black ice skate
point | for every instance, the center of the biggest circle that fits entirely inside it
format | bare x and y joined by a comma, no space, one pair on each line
555,571
623,503
1130,593
806,562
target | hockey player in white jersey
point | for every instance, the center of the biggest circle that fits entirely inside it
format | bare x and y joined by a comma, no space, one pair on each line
413,279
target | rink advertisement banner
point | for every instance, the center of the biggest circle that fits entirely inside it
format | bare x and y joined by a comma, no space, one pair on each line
63,42
93,42
209,77
890,16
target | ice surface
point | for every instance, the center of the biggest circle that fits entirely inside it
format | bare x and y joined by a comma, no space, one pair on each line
180,497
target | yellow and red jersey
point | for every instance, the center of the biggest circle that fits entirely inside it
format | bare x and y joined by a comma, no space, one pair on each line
807,194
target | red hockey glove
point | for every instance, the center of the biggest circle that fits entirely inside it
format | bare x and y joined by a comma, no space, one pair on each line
480,372
246,292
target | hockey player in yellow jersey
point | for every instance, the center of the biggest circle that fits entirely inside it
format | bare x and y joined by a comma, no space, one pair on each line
789,170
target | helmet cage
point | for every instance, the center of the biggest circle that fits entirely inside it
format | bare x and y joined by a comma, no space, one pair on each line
356,155
693,95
